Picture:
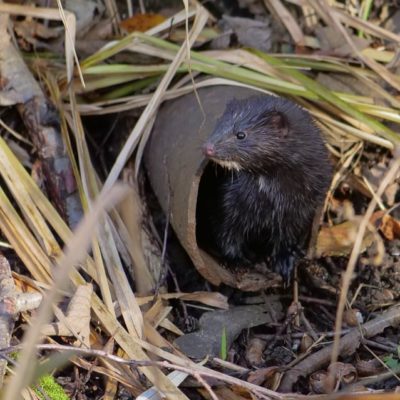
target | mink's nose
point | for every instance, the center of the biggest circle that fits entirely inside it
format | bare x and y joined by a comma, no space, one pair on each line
209,149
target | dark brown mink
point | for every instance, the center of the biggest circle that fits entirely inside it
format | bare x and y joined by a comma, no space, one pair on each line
268,175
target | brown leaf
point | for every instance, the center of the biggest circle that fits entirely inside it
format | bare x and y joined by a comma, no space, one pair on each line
344,210
321,382
352,317
369,367
254,351
382,296
77,320
306,343
142,22
389,226
345,373
338,240
30,28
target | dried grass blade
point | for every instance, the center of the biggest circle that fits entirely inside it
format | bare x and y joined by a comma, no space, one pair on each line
372,29
242,57
287,19
24,199
23,242
198,24
332,19
213,299
123,291
200,20
69,21
354,132
133,348
75,252
39,200
129,308
331,98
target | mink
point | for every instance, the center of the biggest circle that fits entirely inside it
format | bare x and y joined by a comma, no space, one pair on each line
268,173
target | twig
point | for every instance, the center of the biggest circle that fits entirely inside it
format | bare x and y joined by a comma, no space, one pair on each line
347,346
206,386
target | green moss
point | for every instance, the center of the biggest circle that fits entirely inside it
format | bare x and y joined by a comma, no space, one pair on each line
52,389
15,355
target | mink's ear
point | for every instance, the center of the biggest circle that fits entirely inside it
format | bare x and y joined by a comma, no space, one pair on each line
278,122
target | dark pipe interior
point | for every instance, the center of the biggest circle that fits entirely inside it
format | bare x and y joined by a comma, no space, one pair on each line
207,200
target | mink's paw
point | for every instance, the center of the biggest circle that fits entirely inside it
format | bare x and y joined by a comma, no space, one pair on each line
284,265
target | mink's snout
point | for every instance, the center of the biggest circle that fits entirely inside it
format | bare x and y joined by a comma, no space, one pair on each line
209,150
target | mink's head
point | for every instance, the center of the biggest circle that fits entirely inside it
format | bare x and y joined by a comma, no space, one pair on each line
262,133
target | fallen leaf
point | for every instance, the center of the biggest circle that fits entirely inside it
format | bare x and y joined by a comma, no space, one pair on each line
369,367
306,342
352,317
77,318
254,351
389,226
30,28
343,372
142,22
338,240
321,382
213,299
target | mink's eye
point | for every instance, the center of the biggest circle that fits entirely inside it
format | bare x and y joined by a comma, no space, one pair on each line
240,135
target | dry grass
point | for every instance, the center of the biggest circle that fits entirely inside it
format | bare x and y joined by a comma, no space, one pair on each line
34,229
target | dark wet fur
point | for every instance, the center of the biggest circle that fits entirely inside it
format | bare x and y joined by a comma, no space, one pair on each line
242,221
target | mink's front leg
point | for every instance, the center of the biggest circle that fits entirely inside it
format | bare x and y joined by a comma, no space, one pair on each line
284,263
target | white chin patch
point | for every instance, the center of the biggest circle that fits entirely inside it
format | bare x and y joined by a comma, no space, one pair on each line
229,164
